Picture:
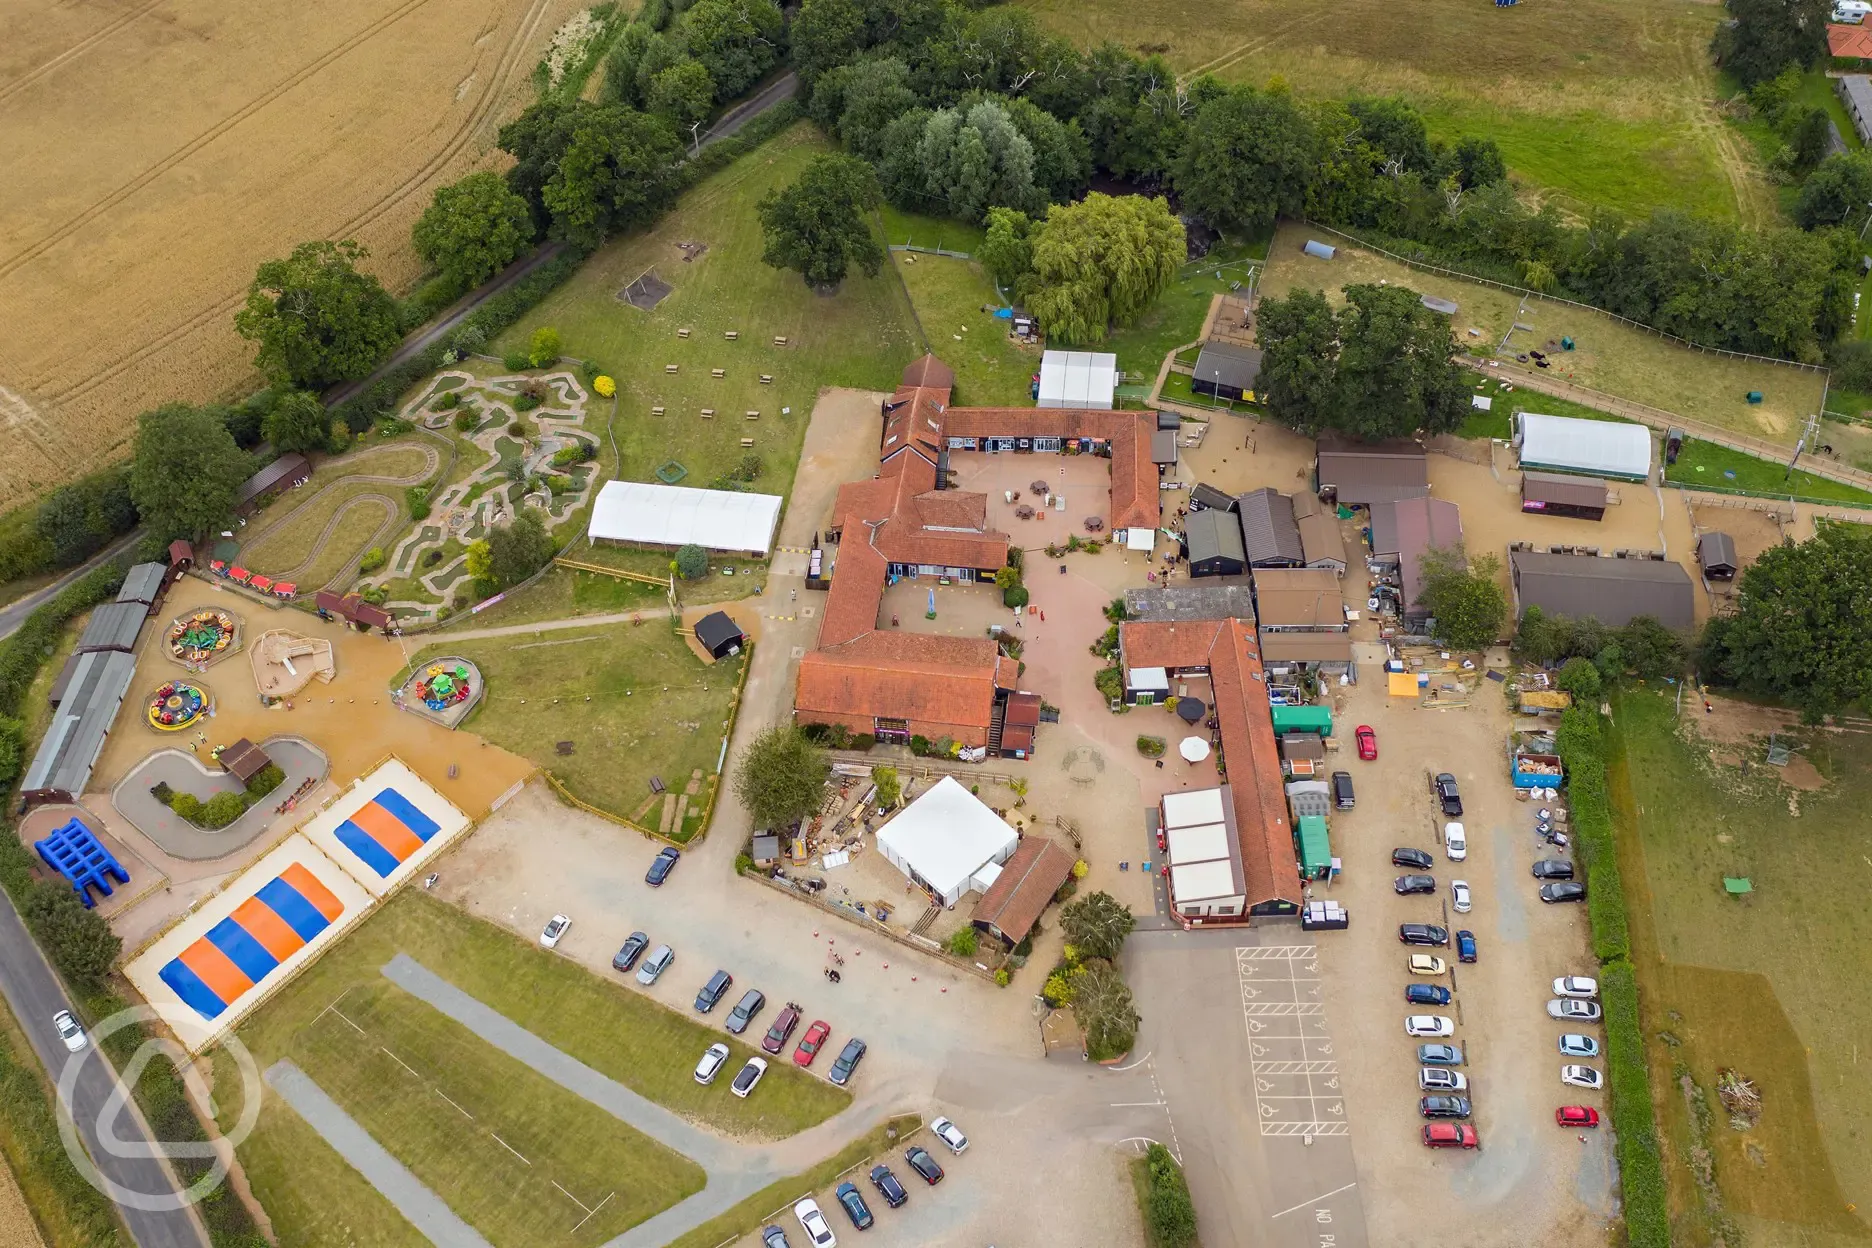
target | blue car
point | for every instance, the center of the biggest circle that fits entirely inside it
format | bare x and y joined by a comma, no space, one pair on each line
855,1207
1465,946
662,865
1426,994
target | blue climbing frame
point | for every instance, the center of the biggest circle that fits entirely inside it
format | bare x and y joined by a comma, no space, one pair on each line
75,853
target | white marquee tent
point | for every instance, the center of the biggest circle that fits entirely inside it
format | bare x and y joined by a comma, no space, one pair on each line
949,841
646,514
1078,379
1600,448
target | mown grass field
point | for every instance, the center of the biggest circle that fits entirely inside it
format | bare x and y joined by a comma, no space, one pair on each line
1498,421
1706,464
950,295
1609,356
1770,985
633,700
858,336
1593,102
284,538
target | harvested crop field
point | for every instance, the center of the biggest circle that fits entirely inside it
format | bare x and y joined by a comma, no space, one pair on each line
170,146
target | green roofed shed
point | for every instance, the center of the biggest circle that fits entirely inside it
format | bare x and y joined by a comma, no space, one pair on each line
1737,886
1303,719
1314,846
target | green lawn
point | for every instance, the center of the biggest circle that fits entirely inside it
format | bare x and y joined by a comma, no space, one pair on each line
1176,389
1706,464
1498,421
950,295
942,233
633,700
855,337
1177,318
1770,985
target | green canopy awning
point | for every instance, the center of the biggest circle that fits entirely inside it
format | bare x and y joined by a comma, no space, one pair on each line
1303,719
1314,847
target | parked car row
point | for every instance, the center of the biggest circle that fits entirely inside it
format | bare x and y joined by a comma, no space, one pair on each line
1443,1098
889,1188
1575,1000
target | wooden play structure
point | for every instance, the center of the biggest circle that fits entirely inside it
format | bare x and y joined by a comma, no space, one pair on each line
284,663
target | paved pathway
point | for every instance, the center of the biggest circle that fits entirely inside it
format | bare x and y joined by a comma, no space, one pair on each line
577,621
185,773
412,1198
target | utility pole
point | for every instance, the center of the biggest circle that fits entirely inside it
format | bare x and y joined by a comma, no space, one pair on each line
695,140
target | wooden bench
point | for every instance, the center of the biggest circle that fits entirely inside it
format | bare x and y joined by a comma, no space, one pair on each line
656,411
709,412
753,415
669,368
747,442
733,334
718,372
779,342
682,333
766,379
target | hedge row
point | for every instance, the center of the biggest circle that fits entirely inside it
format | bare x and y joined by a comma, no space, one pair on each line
25,652
1581,743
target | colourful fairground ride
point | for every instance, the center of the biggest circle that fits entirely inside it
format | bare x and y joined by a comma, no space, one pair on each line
177,705
441,686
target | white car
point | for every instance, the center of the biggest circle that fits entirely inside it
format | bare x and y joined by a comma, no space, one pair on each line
749,1077
1581,1077
950,1134
1429,1025
1427,964
1455,842
555,931
713,1059
1459,896
818,1230
1572,1010
69,1031
1439,1079
1576,986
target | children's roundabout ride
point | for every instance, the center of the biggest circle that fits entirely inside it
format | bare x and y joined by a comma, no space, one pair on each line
201,636
441,686
177,705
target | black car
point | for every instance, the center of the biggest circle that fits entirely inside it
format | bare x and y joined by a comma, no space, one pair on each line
1553,869
662,865
888,1187
1426,994
1564,891
1408,884
1419,858
773,1237
751,1003
634,945
1342,790
855,1208
713,991
1422,934
925,1165
846,1062
1446,795
1444,1107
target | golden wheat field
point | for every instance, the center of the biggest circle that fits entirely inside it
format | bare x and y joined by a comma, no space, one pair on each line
156,151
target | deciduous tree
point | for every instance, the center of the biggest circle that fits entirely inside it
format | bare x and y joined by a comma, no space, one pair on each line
1397,371
1764,37
479,561
618,171
683,94
781,778
818,226
736,40
1249,157
691,562
1299,336
1101,262
1839,192
317,319
473,229
1105,1010
1007,250
298,422
185,471
519,548
1461,592
79,941
1097,925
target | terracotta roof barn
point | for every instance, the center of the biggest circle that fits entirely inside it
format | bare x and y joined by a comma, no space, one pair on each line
1021,893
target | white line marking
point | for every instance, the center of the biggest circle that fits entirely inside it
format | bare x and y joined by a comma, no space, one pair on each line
607,1200
1132,1066
1136,1104
464,1113
569,1196
1303,1204
510,1148
399,1061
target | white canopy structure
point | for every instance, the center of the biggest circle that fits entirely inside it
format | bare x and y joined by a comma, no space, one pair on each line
1078,379
1206,879
1599,448
641,513
948,841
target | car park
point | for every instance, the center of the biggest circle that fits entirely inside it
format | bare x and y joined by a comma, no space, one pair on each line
1426,994
818,1230
751,1003
1459,896
950,1134
713,991
1428,1025
713,1059
1367,742
1439,1055
69,1031
1406,885
1448,797
626,957
556,928
853,1202
1440,1079
1343,798
1553,869
1576,1116
776,1036
1581,1077
662,865
773,1237
1572,1044
1449,1135
1404,856
749,1078
888,1187
654,965
1444,1106
919,1160
811,1042
847,1062
1571,1009
1427,964
1455,842
1576,986
1567,890
1422,934
1465,946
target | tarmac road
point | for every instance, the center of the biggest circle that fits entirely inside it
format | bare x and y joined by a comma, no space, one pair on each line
14,613
35,995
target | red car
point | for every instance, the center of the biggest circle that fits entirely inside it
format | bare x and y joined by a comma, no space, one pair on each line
1576,1116
1450,1135
812,1042
1367,742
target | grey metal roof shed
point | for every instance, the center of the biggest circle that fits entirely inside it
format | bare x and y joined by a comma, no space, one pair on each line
1716,553
143,583
1270,535
1163,446
1372,472
113,626
62,767
1225,369
1320,537
1206,495
1613,591
1215,544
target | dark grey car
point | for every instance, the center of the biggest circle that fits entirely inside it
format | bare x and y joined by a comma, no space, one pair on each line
713,991
1553,869
634,945
750,1004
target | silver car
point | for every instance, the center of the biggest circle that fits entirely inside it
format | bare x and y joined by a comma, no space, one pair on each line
1437,1079
654,965
713,1059
1575,1045
1571,1009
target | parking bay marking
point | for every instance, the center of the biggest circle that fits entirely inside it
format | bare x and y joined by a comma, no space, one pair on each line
1296,1085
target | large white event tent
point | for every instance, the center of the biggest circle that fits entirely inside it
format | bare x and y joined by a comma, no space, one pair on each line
1599,448
1086,379
948,841
645,514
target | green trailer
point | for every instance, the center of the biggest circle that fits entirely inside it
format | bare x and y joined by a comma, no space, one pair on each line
1303,719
